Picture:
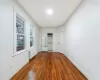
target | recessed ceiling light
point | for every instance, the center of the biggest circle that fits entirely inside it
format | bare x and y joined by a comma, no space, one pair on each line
49,11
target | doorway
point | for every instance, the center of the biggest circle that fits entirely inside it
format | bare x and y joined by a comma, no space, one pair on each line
50,41
47,42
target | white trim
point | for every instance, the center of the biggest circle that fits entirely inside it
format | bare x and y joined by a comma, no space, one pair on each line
20,52
33,35
84,72
14,33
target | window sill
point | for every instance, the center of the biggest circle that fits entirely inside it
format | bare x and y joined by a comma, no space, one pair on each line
19,52
32,47
22,51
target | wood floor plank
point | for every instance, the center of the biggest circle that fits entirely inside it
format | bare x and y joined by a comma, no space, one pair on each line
50,66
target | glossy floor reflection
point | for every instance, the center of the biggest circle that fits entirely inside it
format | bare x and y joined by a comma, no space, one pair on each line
31,75
49,66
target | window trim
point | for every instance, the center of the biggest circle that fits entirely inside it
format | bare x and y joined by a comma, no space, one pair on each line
32,36
18,16
15,52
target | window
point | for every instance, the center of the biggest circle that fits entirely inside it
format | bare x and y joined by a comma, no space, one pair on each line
20,33
31,36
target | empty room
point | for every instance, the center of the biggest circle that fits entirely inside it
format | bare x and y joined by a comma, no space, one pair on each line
49,39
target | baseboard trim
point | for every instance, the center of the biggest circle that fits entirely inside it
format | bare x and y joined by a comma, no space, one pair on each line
78,67
25,67
21,70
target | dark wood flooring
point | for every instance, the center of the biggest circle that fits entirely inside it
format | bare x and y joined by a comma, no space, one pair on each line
49,66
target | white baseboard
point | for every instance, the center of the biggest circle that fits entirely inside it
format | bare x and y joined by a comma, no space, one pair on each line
78,66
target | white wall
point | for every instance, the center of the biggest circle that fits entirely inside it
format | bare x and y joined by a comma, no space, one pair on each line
58,44
83,39
37,37
50,30
10,65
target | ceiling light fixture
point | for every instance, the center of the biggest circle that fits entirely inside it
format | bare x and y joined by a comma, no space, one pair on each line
49,11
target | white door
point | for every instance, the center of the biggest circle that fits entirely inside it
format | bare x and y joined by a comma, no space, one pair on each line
62,42
44,42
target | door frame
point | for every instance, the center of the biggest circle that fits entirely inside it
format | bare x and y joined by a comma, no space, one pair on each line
46,33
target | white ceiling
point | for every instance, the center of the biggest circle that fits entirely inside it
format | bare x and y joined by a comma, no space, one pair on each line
61,11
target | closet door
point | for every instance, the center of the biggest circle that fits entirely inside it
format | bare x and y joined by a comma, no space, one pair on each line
62,42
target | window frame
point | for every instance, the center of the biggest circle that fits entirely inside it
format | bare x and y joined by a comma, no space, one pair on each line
32,36
20,34
15,34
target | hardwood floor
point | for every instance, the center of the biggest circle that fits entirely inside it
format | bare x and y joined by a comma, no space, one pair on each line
49,66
